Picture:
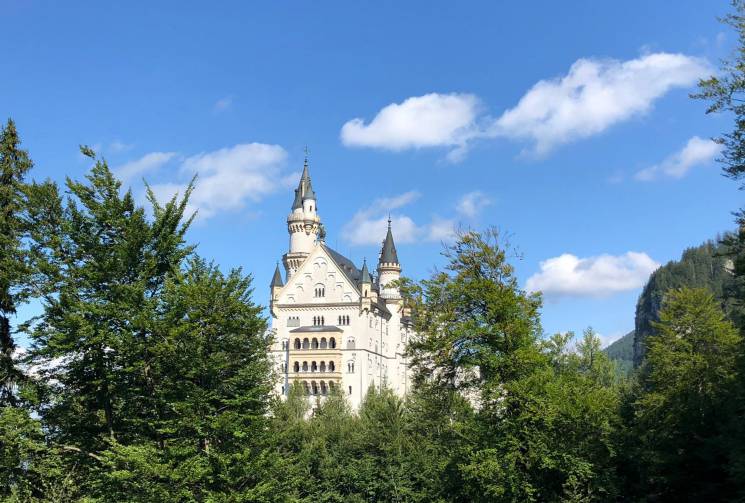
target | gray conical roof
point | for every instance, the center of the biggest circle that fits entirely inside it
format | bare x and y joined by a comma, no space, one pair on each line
388,254
298,202
277,279
304,189
365,277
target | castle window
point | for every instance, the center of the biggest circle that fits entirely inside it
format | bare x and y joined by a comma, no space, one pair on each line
324,389
314,367
332,343
322,367
332,367
324,343
314,388
305,366
320,291
297,344
284,367
350,367
306,343
314,344
306,387
284,345
350,390
296,367
343,320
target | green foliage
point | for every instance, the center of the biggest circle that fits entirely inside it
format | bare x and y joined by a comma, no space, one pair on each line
621,352
679,411
705,266
14,270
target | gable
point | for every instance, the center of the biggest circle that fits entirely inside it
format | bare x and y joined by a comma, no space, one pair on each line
320,273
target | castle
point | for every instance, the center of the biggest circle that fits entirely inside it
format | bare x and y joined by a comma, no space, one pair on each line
335,325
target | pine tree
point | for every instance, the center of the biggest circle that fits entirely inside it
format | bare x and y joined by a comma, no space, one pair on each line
14,272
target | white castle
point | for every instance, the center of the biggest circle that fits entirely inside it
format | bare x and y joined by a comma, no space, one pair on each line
335,326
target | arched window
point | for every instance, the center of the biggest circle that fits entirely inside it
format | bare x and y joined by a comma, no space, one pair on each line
305,366
350,390
296,367
284,345
324,389
350,343
314,388
306,343
297,344
306,387
323,320
322,367
350,367
324,343
314,367
331,385
332,343
332,367
314,343
284,367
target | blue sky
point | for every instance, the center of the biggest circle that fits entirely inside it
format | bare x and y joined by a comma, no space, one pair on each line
566,124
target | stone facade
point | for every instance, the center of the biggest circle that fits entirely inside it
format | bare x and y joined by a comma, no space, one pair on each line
335,325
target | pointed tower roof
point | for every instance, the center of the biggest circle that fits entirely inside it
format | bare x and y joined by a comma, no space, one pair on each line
388,254
277,279
365,277
298,202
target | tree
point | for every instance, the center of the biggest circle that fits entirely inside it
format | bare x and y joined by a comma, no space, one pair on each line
542,419
682,409
103,266
14,271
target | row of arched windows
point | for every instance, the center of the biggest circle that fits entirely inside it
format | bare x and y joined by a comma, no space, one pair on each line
343,319
318,388
314,367
319,321
315,343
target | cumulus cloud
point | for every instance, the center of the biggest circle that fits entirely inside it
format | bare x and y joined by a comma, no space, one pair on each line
696,152
570,276
471,204
432,120
145,164
229,177
594,95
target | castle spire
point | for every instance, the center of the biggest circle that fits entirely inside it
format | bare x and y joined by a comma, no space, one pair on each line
388,254
277,279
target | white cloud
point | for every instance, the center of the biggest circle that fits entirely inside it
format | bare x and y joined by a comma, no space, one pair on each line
471,204
229,177
432,120
369,225
145,164
697,151
441,229
570,276
223,104
595,95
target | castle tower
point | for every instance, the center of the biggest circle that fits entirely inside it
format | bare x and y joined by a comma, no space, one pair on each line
389,269
303,224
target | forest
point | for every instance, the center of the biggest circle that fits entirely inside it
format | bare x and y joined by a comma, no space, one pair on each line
147,378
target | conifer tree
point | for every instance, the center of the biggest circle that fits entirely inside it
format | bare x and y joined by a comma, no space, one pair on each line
14,272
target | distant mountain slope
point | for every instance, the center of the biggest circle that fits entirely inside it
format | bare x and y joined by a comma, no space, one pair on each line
700,267
622,351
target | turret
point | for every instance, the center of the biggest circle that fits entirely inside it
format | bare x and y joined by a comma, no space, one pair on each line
389,269
365,280
276,285
303,223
